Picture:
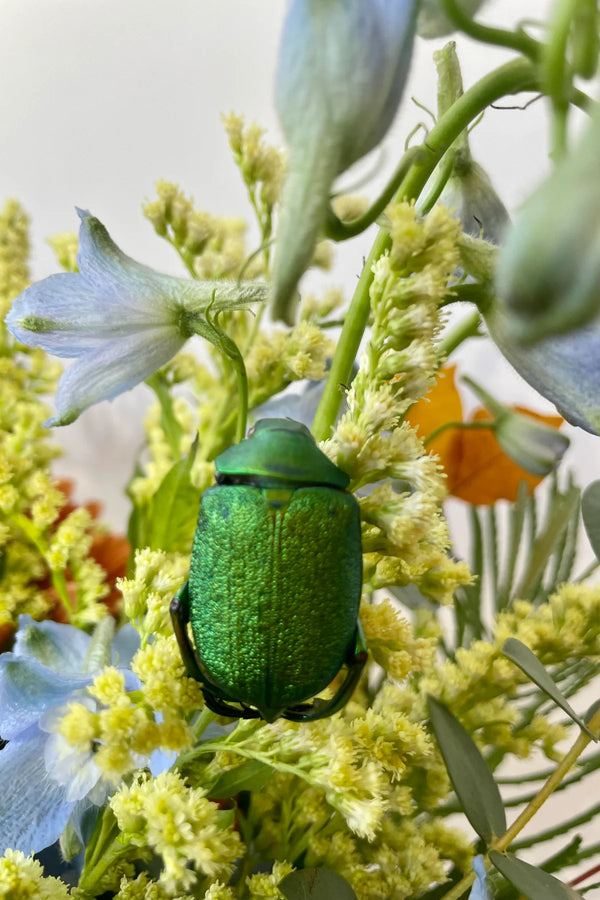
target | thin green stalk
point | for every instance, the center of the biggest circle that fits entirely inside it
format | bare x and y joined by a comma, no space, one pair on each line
469,327
348,344
467,426
499,37
59,582
336,230
557,74
514,77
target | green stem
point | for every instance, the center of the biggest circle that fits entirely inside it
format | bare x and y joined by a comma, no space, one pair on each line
336,230
567,762
556,73
469,327
488,423
513,77
499,37
59,582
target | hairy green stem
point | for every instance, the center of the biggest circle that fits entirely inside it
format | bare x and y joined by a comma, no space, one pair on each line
511,78
469,327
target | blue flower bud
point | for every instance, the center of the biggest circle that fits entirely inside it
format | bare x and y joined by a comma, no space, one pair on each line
548,275
342,69
470,196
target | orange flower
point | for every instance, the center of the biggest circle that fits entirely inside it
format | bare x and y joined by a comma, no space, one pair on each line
477,468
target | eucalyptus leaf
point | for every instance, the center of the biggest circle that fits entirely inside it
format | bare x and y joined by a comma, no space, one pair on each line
528,662
534,883
175,509
251,775
316,884
590,510
469,774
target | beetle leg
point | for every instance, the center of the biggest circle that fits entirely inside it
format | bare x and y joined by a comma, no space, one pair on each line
180,616
355,661
222,708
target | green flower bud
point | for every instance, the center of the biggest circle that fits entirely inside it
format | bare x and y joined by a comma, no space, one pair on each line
470,196
533,445
548,275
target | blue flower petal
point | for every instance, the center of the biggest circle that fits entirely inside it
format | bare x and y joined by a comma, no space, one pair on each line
28,689
34,809
479,890
125,645
115,366
62,648
565,369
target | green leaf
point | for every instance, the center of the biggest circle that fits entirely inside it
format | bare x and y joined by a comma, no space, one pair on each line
532,882
251,775
590,510
528,662
175,509
315,884
469,774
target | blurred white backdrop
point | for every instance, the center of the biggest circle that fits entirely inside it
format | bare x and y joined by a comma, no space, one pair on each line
100,98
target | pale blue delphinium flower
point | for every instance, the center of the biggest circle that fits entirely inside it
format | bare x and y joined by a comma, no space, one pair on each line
120,319
564,369
41,778
341,73
479,891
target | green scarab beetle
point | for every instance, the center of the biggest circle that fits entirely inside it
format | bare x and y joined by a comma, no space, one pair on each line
275,580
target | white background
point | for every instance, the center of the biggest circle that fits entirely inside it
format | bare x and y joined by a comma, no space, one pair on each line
100,98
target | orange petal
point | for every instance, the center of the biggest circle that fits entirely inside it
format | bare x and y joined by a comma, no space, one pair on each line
485,473
441,404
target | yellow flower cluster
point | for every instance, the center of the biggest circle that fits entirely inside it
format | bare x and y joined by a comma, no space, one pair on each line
262,168
29,501
478,684
392,642
22,878
123,729
65,246
146,596
279,357
180,826
211,247
14,253
405,538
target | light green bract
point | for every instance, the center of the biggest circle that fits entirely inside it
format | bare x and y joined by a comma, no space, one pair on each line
121,320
